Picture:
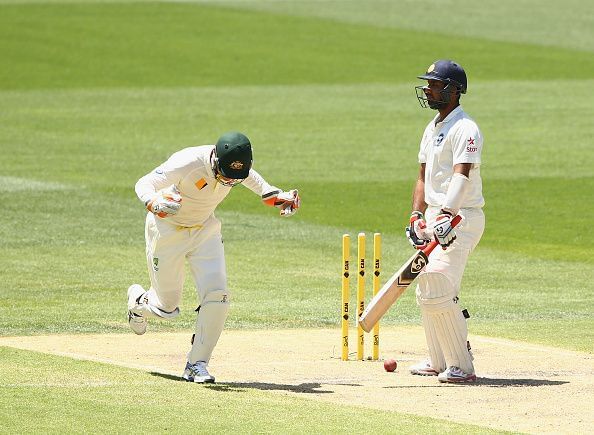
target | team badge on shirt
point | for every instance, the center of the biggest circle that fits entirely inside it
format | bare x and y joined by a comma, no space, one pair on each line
201,184
439,139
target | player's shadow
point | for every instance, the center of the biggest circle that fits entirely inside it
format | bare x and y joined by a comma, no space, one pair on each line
304,388
491,382
498,382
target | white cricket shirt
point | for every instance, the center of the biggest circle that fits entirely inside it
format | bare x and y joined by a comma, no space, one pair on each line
191,171
456,139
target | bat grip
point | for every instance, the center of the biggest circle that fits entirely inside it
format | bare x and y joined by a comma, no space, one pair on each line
431,246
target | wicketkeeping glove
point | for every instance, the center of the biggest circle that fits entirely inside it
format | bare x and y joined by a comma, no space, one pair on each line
166,202
417,232
288,202
443,231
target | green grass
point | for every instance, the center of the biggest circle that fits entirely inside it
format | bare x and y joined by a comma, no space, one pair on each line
67,46
567,24
127,401
90,100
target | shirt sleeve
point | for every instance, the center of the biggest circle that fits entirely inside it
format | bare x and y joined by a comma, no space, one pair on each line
256,183
168,173
468,144
422,147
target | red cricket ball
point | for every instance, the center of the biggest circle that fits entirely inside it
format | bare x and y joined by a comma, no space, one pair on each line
390,365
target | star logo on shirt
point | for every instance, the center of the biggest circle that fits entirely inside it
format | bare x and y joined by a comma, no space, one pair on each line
470,141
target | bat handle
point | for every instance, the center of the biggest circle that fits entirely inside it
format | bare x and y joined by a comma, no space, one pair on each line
431,246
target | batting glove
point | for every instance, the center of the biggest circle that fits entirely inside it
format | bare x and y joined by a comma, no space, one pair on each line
416,232
288,202
442,229
166,202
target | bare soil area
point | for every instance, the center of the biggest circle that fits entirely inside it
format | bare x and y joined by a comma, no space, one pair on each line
521,387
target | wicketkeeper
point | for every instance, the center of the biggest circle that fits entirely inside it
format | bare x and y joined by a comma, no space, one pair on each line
449,183
181,196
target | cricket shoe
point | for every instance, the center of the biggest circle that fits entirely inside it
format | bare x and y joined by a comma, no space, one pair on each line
197,373
136,321
456,375
423,369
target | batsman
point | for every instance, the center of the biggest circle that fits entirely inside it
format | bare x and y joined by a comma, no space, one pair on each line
448,183
181,196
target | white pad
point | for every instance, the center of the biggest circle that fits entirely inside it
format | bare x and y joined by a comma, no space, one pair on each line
145,308
451,333
209,325
445,326
163,314
436,356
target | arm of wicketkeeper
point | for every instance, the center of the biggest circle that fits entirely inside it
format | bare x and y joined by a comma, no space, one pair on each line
288,202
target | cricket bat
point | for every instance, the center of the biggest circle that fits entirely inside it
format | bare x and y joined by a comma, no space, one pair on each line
393,289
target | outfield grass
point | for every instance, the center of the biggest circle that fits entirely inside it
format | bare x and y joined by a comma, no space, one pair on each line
90,100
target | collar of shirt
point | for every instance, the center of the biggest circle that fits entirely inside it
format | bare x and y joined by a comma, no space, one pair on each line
450,116
210,169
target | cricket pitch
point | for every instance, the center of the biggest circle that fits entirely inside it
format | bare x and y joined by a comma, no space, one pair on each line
521,387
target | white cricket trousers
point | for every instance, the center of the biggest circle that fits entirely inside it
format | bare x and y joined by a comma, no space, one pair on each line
452,261
167,248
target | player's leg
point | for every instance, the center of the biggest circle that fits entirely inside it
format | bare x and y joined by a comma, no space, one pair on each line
445,325
437,296
207,264
165,252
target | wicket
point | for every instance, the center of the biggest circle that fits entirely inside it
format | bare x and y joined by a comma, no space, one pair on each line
377,246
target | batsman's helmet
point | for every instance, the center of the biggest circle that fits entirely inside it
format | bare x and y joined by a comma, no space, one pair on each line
233,155
449,72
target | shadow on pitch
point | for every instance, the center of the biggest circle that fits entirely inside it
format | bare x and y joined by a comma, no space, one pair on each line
497,382
491,382
305,388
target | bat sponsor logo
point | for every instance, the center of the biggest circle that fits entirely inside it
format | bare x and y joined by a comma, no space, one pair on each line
417,265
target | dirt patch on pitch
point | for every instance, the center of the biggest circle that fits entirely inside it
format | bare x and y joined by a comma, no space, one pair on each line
521,387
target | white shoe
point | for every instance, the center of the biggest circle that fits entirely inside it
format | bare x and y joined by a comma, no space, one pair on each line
456,375
136,321
423,369
197,373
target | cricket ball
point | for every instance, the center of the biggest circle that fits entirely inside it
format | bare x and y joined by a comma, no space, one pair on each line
390,365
